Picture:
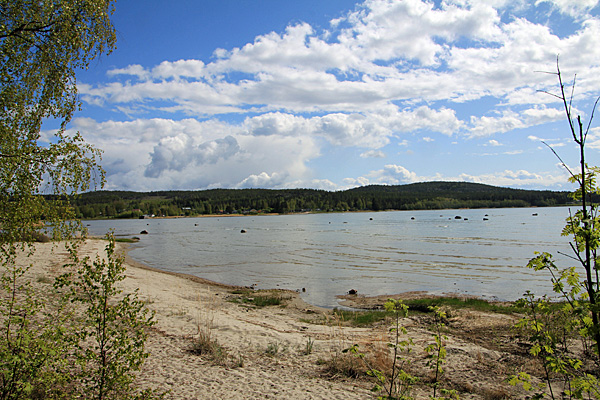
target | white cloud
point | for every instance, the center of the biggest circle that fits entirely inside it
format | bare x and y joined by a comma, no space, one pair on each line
166,154
373,154
177,153
393,174
398,175
133,70
369,64
574,8
510,120
262,180
385,71
519,178
593,139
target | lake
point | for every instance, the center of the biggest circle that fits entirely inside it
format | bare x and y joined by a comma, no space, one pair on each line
484,253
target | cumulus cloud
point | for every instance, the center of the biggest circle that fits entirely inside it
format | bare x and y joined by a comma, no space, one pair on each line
187,154
391,174
387,51
510,120
176,153
262,180
385,72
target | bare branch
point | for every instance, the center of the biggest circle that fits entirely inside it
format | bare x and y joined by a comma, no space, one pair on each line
566,105
569,256
572,93
551,94
592,116
561,161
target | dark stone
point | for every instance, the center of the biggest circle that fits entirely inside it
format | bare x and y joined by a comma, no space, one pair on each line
243,231
144,232
352,291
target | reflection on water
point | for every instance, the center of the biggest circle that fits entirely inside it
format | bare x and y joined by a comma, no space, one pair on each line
329,254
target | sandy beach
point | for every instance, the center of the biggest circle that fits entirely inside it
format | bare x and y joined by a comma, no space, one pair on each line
286,351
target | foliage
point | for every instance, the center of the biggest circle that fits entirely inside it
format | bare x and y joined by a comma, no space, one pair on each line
430,195
42,44
50,348
551,332
426,304
112,330
396,384
32,345
308,347
436,354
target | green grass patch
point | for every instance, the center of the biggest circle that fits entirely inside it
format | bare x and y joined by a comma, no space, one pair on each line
257,298
245,292
422,305
263,301
363,318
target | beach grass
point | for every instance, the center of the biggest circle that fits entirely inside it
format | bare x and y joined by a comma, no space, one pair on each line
424,304
363,318
366,318
258,298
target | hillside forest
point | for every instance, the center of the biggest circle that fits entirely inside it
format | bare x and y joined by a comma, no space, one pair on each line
416,196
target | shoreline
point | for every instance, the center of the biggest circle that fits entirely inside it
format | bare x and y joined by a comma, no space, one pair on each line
324,212
283,351
357,302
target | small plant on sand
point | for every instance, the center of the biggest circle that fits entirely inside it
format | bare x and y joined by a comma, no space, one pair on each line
112,328
436,354
550,332
308,347
207,346
275,348
396,383
258,298
204,345
33,344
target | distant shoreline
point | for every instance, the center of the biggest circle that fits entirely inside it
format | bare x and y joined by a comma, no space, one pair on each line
317,212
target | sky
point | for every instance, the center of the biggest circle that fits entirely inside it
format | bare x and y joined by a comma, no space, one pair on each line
338,94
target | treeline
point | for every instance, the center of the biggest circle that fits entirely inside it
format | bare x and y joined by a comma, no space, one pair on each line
417,196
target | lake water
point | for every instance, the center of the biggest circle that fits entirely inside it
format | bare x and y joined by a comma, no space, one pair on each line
374,253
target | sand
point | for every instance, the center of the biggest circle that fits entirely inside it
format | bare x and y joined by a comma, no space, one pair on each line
266,347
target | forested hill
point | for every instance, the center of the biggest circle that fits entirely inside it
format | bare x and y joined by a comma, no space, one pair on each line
416,196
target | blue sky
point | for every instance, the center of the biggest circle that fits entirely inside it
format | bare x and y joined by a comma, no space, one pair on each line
337,94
